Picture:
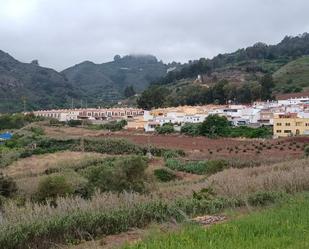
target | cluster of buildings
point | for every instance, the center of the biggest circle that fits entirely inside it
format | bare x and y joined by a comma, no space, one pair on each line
91,114
287,117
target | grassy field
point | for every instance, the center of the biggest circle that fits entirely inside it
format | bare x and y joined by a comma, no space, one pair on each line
285,226
295,73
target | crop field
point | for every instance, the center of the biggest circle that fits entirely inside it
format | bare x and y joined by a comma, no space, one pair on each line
199,148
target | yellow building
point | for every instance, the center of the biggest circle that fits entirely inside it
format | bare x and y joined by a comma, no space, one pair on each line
286,125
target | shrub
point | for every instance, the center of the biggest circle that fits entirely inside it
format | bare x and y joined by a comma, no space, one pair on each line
248,132
36,130
215,126
124,174
197,167
52,187
7,186
170,154
74,123
165,175
111,146
165,129
214,166
17,121
191,129
264,198
114,125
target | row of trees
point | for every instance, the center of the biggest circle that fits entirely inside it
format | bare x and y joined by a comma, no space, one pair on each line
220,93
216,126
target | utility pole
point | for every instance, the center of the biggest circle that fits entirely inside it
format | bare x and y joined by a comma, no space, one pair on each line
24,102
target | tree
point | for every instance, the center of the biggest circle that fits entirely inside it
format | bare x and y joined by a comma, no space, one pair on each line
125,174
165,129
52,187
267,84
117,57
129,91
215,126
153,97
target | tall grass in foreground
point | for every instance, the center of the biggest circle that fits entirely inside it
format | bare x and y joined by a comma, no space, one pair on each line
290,177
285,227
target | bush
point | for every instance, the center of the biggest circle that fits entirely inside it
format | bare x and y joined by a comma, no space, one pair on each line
74,123
170,154
248,132
165,175
215,126
7,186
17,121
52,187
111,146
198,167
264,198
36,130
191,129
214,166
165,129
114,125
124,174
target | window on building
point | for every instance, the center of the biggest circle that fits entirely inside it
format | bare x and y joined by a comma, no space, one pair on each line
287,131
279,124
288,124
279,131
299,123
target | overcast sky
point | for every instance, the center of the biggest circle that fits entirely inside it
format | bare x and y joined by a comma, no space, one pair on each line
61,33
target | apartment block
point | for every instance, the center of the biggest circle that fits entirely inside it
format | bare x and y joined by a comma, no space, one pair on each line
291,124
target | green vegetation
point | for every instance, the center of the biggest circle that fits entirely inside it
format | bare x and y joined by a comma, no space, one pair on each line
216,126
70,226
52,187
17,121
191,129
165,175
111,126
248,132
7,186
294,76
197,167
284,226
129,91
123,174
165,129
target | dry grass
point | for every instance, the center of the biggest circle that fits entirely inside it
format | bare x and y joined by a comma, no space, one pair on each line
291,176
37,164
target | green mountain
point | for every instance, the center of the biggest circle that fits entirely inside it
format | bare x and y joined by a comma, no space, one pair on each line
106,82
294,76
31,85
257,72
35,87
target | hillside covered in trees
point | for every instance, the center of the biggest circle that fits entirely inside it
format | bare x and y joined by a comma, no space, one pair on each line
249,74
255,73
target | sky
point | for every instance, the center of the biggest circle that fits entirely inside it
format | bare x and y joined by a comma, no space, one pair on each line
62,33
